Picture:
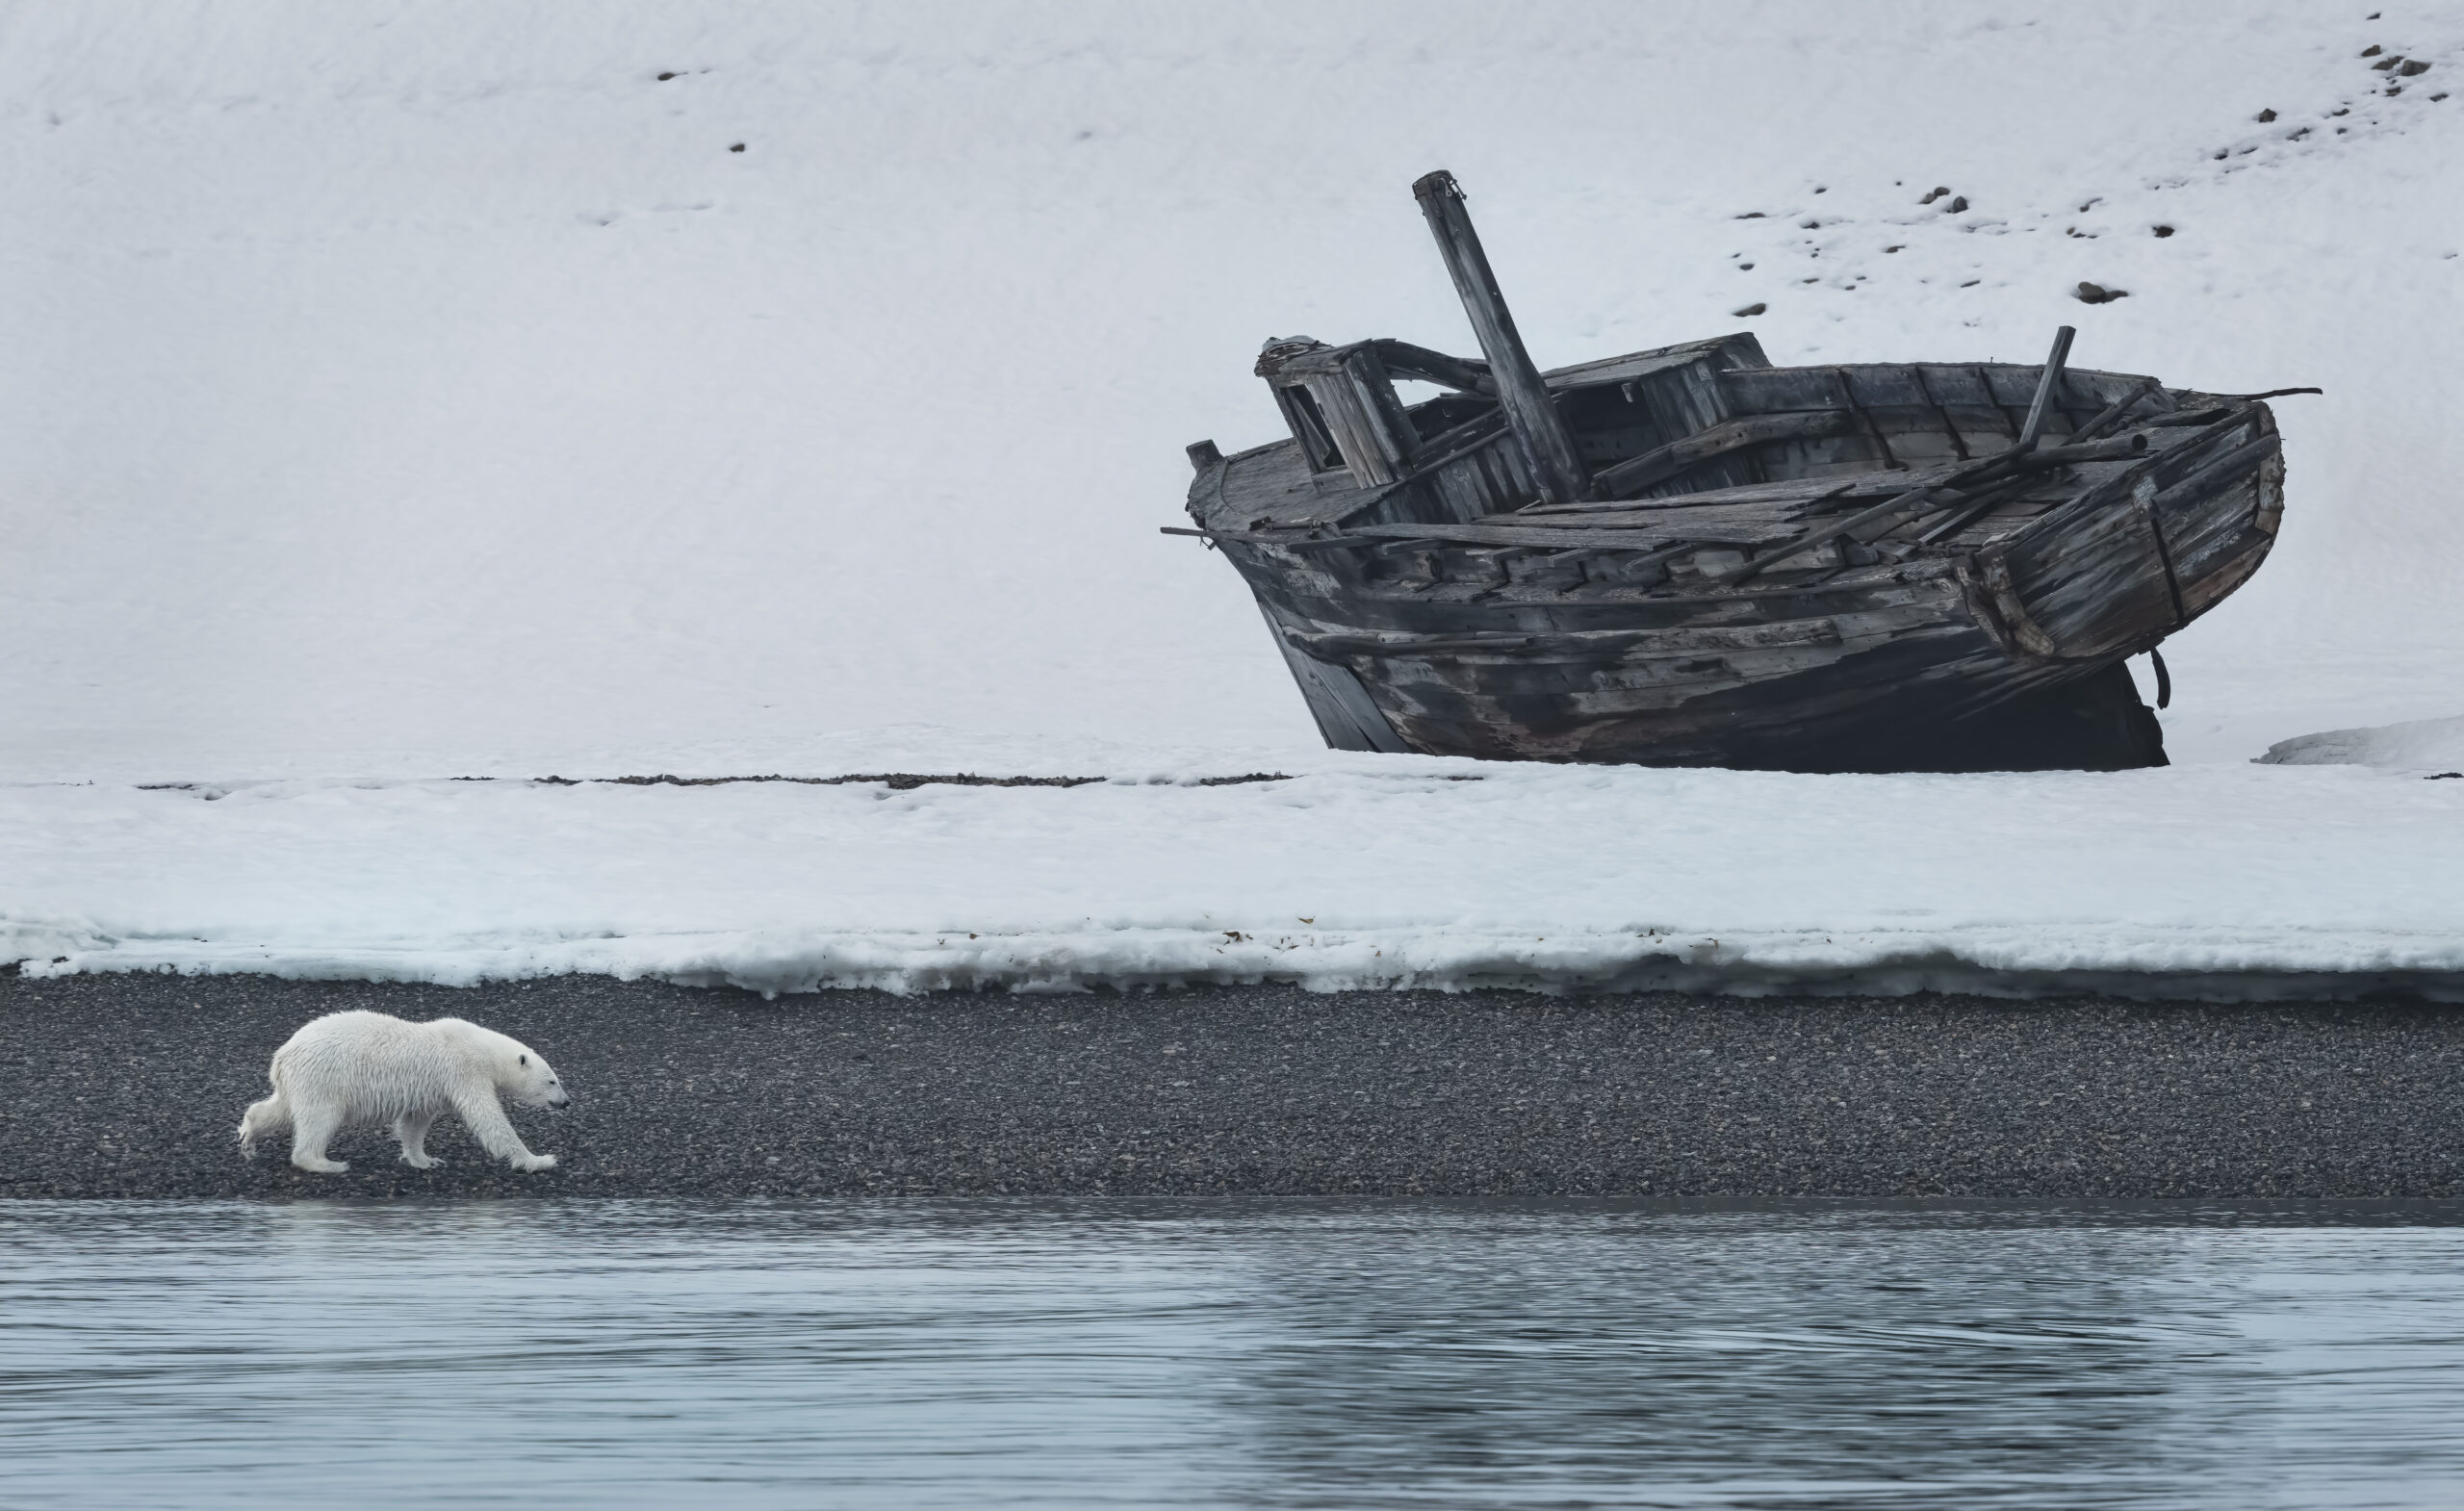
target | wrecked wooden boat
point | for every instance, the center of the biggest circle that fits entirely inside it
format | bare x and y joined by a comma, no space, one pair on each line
1688,557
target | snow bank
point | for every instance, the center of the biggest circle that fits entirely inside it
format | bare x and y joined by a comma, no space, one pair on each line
2423,745
1354,871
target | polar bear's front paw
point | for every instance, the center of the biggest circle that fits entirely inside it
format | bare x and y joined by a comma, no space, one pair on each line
535,1161
322,1166
424,1162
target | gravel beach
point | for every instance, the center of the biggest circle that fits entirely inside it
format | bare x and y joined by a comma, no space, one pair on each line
131,1086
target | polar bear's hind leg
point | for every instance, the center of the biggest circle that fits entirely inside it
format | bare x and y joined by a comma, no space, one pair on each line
261,1121
412,1129
310,1129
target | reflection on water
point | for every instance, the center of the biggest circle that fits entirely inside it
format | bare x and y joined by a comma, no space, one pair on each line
999,1353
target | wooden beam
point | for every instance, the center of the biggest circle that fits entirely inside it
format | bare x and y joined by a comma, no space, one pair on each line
1658,465
2240,458
1555,464
1405,360
2120,448
2055,361
1552,534
2112,412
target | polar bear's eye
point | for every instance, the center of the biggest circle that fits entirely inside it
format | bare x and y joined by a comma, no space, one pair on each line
524,1059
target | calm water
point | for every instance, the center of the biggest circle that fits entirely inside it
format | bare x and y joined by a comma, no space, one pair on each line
988,1354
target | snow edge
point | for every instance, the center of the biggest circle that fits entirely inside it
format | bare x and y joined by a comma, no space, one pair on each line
2139,963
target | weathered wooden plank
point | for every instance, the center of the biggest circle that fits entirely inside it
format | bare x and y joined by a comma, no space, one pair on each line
1726,527
1529,409
2193,520
2095,587
2225,565
1961,516
1849,454
1435,419
2012,386
1778,496
2211,473
1692,399
1615,422
1933,443
2106,388
2273,393
1274,482
1405,360
1941,414
1738,351
2042,401
2111,414
1953,384
2119,448
1775,390
1483,479
1684,640
2212,517
1882,384
1347,717
2205,415
1662,463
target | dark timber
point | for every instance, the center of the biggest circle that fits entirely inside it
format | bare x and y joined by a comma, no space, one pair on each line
1688,557
1530,412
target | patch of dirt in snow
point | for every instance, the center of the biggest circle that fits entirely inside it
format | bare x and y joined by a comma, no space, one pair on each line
1953,236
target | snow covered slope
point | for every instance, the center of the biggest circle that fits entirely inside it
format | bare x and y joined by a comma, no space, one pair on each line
431,388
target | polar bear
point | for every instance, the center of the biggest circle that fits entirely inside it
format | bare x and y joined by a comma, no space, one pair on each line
354,1069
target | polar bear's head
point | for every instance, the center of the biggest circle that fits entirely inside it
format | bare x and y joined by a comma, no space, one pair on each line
525,1076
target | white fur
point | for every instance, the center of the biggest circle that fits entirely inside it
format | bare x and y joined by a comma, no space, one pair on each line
357,1070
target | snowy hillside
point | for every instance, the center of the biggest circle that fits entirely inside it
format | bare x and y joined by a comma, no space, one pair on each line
429,389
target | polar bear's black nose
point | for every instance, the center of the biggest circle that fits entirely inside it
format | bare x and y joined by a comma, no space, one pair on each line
560,1099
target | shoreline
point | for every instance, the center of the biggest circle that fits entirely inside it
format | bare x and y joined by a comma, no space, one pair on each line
131,1086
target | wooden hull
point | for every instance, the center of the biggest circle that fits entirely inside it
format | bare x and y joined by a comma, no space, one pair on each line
1996,646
